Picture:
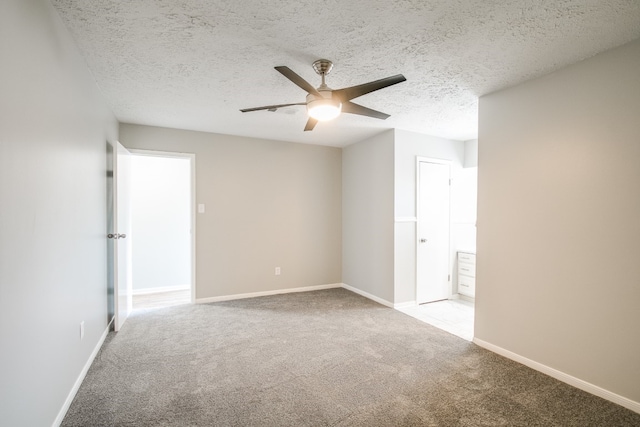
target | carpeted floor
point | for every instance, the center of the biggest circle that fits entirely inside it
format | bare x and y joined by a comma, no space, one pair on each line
325,358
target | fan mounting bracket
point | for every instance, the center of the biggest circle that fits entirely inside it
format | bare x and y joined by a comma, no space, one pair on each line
323,66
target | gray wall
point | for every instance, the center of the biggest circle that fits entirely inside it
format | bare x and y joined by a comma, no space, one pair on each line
53,131
268,204
367,212
558,207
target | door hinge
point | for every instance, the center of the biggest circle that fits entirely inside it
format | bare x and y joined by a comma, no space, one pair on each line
449,181
449,278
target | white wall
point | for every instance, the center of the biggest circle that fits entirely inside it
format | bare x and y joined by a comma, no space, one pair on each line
408,146
558,231
464,197
268,204
160,221
53,131
367,214
471,153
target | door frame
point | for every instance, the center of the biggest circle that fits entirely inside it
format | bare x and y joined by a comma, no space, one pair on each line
111,147
192,202
122,311
420,159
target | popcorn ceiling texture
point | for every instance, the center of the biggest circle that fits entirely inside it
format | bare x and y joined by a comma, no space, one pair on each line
192,64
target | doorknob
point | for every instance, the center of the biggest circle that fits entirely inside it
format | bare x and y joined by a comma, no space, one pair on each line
116,236
423,240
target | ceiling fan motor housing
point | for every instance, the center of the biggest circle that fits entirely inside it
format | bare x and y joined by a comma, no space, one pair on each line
325,108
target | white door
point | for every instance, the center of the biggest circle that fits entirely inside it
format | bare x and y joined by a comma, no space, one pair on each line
123,276
433,275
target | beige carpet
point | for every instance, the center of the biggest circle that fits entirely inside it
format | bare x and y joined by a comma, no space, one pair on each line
326,358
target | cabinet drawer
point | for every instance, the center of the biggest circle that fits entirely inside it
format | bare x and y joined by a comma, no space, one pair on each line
466,257
467,286
466,269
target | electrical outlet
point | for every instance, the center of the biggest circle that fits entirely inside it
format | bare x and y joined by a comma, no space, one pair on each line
277,271
82,329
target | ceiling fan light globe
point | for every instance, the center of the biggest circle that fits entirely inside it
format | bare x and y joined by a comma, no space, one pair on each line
324,109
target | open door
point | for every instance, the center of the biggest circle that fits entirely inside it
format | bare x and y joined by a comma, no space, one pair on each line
111,231
122,237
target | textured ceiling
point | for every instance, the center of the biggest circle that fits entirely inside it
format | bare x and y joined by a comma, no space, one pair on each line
192,64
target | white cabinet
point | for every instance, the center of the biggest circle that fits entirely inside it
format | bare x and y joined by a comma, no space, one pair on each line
467,274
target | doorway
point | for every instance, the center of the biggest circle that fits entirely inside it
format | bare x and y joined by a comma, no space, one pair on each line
163,228
449,306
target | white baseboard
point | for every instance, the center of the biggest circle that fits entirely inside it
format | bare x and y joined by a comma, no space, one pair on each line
267,293
147,291
305,289
76,385
406,219
367,295
404,304
559,375
465,298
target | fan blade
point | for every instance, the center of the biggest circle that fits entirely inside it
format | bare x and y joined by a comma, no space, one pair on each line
311,123
353,108
352,92
270,107
299,81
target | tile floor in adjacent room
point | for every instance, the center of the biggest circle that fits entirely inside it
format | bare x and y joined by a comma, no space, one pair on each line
161,299
454,316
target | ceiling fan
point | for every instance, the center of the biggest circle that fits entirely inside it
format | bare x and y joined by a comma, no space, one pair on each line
325,103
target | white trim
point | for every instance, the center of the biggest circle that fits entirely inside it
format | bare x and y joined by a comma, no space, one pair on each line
192,164
76,386
406,219
433,160
156,153
368,295
267,293
465,298
147,291
559,375
306,289
192,202
402,305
